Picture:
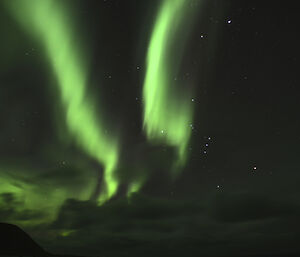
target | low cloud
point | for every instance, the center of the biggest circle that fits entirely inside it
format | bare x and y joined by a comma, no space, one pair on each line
13,210
242,207
225,223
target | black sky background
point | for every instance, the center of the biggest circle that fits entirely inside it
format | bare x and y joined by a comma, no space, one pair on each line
237,196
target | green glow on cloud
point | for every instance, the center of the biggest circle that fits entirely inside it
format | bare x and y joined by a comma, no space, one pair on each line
49,23
32,196
168,110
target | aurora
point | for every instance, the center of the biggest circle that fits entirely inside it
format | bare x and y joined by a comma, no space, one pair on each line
47,22
168,110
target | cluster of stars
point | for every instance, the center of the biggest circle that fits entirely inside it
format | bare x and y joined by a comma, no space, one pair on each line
207,144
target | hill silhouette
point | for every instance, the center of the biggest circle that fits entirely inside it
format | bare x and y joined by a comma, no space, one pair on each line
15,242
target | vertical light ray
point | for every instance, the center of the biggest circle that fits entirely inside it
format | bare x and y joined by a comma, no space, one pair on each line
49,23
168,109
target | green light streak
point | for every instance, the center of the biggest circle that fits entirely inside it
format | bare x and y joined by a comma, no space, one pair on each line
66,233
135,186
168,111
48,22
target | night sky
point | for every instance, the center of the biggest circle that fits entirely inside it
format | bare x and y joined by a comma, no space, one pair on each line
151,128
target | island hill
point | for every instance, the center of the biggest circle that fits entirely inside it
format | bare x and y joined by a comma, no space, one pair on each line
15,242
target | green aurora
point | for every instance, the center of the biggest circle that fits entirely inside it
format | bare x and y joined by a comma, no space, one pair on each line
168,111
46,21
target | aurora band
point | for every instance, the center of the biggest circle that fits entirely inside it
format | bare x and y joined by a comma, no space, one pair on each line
47,21
168,106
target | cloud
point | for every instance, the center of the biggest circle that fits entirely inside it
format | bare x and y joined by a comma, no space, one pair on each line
12,209
231,223
241,207
148,226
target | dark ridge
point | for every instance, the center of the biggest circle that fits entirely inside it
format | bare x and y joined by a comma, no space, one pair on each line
15,242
